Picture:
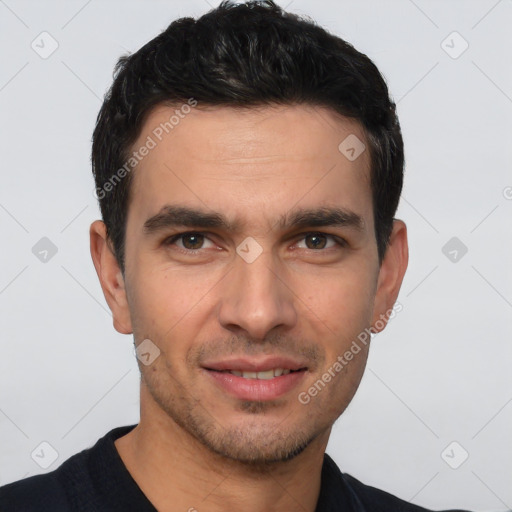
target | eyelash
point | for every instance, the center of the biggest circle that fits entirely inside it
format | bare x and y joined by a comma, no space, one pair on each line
171,240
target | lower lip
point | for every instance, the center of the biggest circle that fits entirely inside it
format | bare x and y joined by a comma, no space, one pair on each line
256,389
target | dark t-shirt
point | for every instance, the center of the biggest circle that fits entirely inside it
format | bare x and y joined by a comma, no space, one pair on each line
96,479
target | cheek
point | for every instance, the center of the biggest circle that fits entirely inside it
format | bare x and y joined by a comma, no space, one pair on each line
342,300
170,304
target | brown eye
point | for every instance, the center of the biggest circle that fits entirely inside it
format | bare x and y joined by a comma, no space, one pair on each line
319,241
315,241
189,242
192,241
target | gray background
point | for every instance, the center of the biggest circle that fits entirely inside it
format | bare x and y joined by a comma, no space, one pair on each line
440,373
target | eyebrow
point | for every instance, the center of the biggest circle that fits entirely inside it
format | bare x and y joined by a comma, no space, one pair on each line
181,216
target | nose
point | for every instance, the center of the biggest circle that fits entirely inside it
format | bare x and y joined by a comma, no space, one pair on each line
255,298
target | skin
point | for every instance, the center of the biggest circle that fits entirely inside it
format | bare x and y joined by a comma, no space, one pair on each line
196,446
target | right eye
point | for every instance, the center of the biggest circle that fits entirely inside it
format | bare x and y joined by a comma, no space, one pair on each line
188,242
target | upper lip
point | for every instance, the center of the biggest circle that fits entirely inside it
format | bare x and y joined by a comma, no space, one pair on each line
255,365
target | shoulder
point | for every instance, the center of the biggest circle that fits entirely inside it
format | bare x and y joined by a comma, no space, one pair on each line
35,494
360,497
81,482
376,500
69,487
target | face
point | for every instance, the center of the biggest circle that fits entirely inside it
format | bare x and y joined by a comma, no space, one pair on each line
250,249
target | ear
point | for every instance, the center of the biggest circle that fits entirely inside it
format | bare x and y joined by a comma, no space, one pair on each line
391,274
110,276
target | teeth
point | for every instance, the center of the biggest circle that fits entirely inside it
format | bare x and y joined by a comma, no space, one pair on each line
266,375
269,374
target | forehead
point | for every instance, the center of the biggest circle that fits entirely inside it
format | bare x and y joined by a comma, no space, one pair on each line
270,157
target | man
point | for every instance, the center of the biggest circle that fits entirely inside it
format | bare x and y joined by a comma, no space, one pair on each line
248,167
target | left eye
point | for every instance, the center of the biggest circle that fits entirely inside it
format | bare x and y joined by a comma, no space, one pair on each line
319,241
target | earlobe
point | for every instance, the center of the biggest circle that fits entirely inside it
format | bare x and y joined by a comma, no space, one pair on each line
110,276
391,275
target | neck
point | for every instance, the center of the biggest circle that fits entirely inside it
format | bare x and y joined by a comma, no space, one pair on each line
178,473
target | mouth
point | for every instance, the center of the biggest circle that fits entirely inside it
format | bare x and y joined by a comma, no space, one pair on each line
256,380
261,375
